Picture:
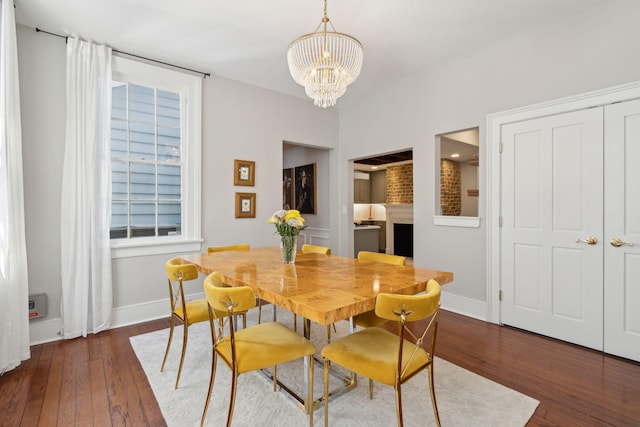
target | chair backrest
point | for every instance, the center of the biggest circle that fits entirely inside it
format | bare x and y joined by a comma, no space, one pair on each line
240,247
222,298
315,249
225,298
385,258
415,307
179,270
411,308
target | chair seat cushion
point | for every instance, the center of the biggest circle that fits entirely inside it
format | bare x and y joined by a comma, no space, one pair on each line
198,311
265,345
373,353
369,319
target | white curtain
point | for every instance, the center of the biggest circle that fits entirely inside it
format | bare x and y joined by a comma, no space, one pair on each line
14,283
86,192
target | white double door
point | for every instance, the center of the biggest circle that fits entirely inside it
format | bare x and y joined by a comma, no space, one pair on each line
570,235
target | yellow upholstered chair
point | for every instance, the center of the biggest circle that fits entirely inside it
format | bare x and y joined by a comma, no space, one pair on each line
368,319
240,247
375,352
315,249
257,347
187,313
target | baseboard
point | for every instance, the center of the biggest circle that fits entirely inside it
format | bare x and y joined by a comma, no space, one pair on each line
463,305
48,330
45,330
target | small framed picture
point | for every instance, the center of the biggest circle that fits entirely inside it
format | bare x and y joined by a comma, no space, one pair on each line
245,205
244,172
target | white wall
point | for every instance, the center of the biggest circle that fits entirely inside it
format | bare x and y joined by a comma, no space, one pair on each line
595,49
239,122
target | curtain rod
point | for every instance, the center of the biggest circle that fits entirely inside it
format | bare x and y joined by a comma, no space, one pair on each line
205,75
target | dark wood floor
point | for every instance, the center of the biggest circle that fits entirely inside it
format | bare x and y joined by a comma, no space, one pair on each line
98,380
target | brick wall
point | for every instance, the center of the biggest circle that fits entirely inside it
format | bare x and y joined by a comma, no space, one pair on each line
450,197
400,184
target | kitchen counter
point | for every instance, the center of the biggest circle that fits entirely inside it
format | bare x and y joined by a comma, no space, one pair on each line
365,238
366,227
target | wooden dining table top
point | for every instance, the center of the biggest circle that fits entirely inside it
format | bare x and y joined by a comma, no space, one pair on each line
321,288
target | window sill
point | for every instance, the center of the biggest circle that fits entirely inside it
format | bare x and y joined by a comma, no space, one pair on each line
457,221
155,247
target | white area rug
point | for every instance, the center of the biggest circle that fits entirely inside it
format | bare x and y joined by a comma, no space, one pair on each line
464,398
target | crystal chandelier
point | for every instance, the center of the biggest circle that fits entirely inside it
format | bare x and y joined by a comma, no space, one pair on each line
325,62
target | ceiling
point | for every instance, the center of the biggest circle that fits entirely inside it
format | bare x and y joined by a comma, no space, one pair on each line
247,40
402,156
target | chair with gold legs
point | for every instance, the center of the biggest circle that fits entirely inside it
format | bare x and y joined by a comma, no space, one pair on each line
253,348
376,353
186,312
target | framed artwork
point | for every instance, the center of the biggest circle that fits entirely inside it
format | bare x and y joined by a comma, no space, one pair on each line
305,189
287,189
245,205
244,172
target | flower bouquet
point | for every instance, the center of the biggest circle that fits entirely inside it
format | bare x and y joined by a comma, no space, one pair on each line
288,225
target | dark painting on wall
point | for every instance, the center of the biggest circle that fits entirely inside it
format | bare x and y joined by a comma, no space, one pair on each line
287,189
305,189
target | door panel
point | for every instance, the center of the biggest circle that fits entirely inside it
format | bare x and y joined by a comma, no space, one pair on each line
567,202
552,196
622,213
568,298
526,291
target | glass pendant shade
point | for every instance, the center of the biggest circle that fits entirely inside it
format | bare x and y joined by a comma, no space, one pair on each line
325,63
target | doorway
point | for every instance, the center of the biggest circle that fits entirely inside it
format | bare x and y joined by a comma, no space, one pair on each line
567,264
379,182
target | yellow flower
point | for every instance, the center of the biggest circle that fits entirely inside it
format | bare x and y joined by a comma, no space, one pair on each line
288,223
292,214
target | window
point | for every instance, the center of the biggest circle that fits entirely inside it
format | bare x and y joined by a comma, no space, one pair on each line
155,160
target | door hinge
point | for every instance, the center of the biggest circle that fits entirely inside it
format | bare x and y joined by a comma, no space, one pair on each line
500,148
500,295
500,221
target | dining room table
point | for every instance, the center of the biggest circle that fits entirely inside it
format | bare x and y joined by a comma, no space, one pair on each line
319,288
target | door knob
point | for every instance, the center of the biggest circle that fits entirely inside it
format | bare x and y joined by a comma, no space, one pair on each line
588,240
617,243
